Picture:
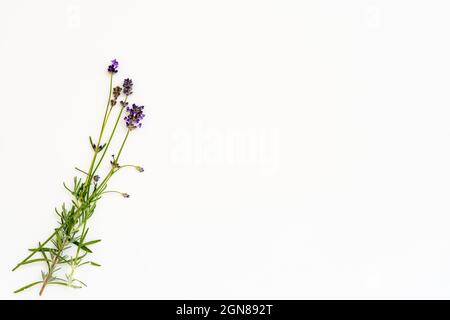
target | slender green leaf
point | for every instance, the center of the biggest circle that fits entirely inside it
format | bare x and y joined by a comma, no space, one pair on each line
82,247
91,242
28,286
41,249
34,260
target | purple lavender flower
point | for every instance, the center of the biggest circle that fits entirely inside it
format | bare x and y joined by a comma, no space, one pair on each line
134,117
112,68
127,86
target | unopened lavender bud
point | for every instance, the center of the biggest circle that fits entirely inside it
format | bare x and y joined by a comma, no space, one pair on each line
116,92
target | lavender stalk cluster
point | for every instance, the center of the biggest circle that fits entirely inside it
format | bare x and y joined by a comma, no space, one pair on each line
60,264
135,114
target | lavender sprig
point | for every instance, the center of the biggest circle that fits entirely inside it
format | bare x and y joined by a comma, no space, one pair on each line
68,245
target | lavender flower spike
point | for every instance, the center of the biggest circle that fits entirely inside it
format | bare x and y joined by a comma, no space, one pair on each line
113,67
127,86
134,117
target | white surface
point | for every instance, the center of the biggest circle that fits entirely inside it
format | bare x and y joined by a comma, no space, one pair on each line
295,149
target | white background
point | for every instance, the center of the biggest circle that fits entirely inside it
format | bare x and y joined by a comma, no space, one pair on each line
293,149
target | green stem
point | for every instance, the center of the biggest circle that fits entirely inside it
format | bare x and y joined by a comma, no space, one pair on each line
123,144
110,137
96,151
52,268
105,120
116,161
78,252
